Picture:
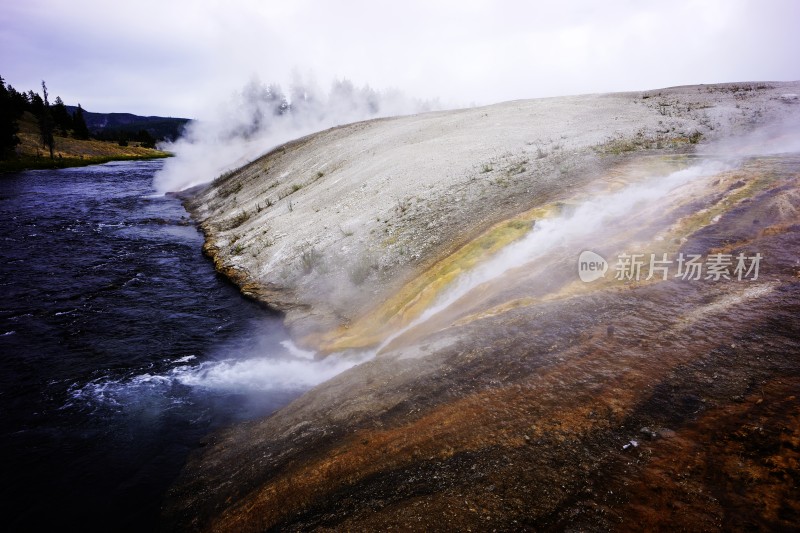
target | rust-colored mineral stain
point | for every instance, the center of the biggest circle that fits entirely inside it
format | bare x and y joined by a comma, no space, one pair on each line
735,468
563,432
560,403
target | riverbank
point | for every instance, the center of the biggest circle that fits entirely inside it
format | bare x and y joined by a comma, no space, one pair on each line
69,152
20,164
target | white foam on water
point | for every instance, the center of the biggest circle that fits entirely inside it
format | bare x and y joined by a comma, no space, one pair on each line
264,374
289,368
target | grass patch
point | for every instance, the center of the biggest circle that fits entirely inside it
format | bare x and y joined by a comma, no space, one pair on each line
517,168
291,190
222,177
21,163
236,221
643,141
69,152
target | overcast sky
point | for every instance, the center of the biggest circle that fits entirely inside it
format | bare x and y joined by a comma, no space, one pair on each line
176,57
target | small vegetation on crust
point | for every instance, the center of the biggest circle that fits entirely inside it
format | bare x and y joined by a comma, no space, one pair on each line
239,219
403,206
359,272
260,207
310,258
645,141
227,191
222,177
517,168
290,190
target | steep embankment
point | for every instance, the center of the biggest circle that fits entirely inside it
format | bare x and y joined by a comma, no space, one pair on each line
528,399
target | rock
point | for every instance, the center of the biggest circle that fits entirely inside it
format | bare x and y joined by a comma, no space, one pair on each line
649,433
666,433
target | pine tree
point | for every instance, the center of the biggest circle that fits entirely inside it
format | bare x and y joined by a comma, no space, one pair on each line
36,104
145,139
79,129
61,117
19,101
46,123
8,122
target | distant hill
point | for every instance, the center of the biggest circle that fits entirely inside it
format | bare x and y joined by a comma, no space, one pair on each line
110,125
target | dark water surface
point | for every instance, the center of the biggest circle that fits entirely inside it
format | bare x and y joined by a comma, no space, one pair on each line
118,348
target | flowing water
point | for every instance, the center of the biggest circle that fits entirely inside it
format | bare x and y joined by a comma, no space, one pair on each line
121,348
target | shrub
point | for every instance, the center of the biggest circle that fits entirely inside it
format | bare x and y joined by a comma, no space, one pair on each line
359,272
310,258
238,220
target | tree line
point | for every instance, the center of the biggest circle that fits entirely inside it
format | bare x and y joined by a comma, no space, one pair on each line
52,118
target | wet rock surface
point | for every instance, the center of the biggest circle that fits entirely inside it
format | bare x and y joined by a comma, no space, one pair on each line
527,426
543,404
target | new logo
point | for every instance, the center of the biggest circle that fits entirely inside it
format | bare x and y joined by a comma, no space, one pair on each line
591,266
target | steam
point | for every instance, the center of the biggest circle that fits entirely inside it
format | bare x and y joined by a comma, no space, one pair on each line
261,117
259,374
259,366
571,230
589,221
778,138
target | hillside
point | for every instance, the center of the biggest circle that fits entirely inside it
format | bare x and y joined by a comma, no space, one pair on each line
161,128
490,387
326,226
68,151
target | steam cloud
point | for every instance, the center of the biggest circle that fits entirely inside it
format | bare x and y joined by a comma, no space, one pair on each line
261,117
578,228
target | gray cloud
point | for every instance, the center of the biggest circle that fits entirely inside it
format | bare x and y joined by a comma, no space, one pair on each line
176,57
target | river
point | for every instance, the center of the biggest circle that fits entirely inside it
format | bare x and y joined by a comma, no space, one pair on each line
121,348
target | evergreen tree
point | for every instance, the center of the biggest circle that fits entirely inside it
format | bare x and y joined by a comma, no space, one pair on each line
146,140
46,123
79,129
19,101
61,117
36,104
8,122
